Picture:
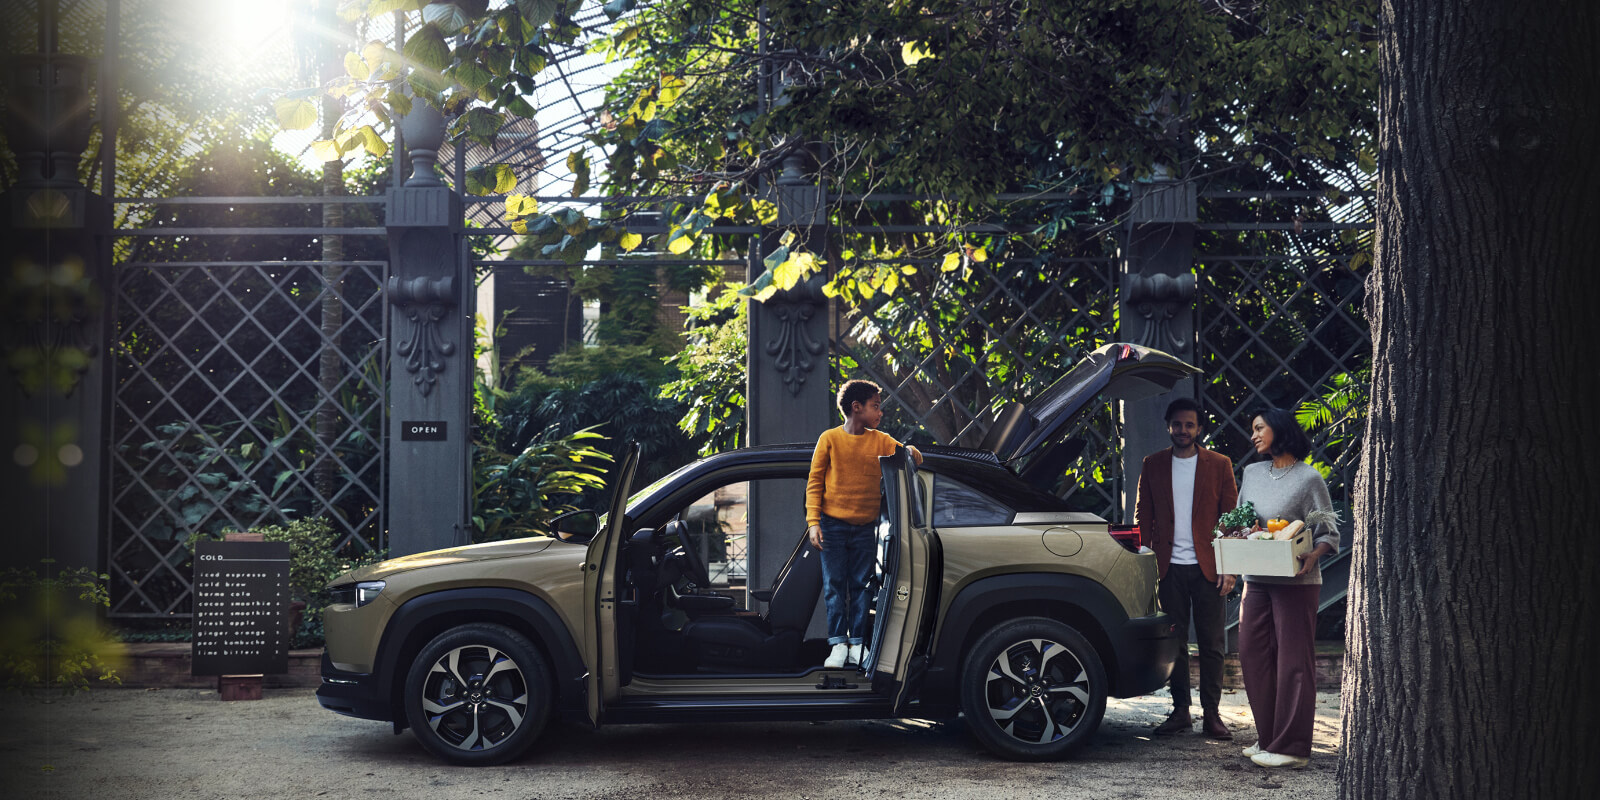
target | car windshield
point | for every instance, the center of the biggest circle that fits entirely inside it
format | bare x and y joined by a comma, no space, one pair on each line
648,492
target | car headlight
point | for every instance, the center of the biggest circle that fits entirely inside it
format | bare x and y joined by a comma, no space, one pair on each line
357,594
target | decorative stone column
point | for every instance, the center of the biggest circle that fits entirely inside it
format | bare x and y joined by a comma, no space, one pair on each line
55,392
430,353
1156,310
788,397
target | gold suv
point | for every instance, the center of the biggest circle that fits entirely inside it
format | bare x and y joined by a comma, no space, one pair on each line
994,601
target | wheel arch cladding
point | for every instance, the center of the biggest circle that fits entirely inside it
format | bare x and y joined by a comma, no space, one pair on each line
1080,602
422,618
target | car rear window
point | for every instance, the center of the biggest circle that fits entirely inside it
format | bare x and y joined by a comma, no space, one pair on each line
955,505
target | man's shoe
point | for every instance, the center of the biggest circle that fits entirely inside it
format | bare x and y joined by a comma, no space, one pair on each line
1215,728
1179,722
836,659
1266,759
1252,750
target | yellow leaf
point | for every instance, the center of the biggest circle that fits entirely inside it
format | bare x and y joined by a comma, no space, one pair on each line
680,245
519,225
980,255
952,261
295,114
908,270
912,52
357,66
672,87
631,241
373,142
786,239
521,205
325,150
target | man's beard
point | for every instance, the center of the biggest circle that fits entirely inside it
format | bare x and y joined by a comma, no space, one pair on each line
1181,445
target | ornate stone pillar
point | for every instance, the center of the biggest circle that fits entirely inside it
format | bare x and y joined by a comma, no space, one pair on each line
788,397
57,289
430,353
1156,310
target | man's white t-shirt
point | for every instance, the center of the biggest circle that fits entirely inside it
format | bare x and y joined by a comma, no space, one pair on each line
1183,509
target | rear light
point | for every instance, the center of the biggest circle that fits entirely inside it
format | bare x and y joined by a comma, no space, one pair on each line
1128,536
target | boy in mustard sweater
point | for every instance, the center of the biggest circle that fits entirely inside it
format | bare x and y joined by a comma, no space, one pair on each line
843,494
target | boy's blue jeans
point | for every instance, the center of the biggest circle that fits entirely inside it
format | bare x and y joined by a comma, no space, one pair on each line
848,554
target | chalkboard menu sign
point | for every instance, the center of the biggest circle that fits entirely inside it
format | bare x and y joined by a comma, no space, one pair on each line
241,602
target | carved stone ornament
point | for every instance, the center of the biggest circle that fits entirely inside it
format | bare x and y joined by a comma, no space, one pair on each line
793,349
424,302
1158,299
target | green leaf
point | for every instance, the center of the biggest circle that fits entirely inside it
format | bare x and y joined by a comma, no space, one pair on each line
777,257
295,114
445,15
480,123
579,164
491,179
537,13
471,76
617,8
426,48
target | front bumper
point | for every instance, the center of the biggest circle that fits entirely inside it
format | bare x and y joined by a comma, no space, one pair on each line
354,694
1145,647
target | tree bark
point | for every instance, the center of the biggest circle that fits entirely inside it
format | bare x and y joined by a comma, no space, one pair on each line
1474,602
330,372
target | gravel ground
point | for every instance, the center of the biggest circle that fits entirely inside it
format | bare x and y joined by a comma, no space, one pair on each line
185,743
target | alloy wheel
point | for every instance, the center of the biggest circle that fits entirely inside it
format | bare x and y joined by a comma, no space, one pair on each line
475,697
1037,691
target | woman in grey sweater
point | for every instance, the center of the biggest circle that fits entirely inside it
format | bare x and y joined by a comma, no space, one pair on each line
1278,617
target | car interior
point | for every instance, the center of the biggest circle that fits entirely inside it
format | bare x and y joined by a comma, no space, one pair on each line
678,625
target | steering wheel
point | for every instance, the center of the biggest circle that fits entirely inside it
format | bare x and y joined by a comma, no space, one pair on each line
693,568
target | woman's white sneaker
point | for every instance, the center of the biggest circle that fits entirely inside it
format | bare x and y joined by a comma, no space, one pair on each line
1266,759
1250,752
836,659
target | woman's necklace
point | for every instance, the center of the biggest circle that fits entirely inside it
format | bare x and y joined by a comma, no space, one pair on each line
1275,474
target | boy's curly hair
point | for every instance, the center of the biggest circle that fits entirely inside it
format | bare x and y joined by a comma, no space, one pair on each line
856,391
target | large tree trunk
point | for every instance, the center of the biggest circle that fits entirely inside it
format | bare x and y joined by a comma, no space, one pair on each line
1474,595
330,372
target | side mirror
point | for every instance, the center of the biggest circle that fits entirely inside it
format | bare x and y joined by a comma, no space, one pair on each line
575,526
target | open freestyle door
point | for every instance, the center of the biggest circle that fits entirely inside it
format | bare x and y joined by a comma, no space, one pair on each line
600,568
908,552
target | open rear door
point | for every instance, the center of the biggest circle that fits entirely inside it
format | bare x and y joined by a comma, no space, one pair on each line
908,552
600,568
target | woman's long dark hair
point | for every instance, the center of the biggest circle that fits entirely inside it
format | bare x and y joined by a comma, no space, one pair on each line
1287,435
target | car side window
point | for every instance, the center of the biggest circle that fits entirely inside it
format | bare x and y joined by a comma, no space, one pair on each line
955,504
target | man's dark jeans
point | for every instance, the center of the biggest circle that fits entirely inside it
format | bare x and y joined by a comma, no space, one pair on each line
1183,592
849,553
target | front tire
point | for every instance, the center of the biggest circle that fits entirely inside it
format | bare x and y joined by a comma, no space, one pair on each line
478,694
1033,689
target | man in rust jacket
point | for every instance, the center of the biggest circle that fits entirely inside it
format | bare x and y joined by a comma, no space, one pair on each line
1182,492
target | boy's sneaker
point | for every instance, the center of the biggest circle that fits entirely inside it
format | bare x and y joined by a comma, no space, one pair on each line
1252,750
854,656
836,659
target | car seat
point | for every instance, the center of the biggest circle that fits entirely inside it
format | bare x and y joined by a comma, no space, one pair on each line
771,641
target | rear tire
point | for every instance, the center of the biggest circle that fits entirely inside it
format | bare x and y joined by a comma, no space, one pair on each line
1033,689
478,694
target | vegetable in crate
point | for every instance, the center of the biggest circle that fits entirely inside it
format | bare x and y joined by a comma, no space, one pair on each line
1237,522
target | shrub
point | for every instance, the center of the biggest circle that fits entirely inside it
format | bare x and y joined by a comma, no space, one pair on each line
50,631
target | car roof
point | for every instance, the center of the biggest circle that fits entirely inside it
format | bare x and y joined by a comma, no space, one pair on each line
979,469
